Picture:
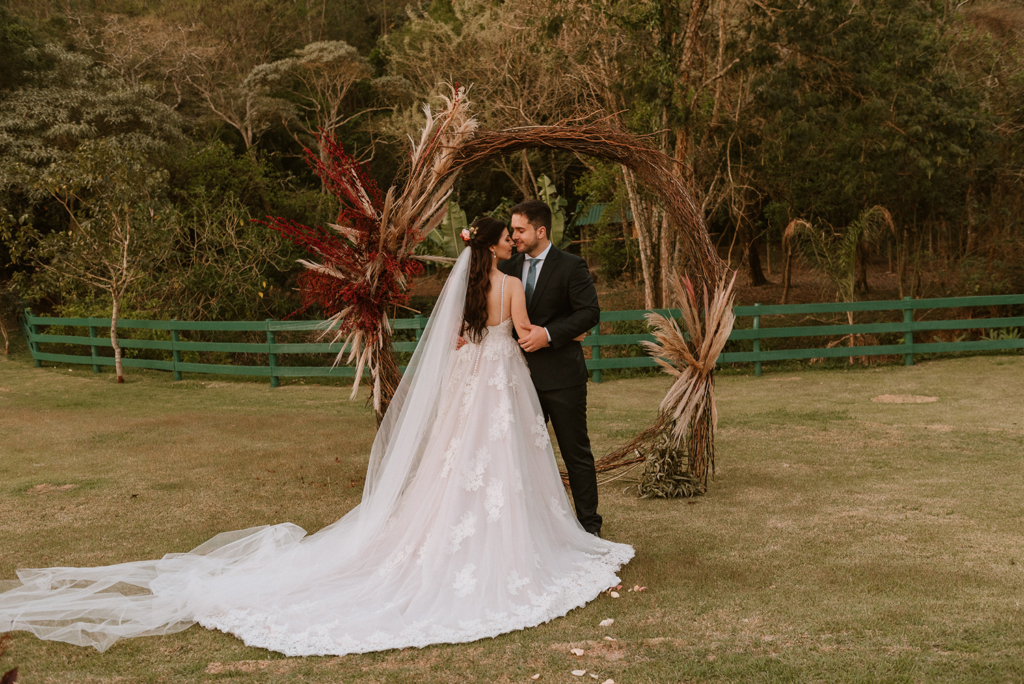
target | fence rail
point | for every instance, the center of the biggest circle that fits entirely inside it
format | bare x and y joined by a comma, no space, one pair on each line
903,330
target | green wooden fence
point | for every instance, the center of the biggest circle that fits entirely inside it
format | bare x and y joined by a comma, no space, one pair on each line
756,334
905,328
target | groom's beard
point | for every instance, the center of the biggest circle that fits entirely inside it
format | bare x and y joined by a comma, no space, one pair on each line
524,248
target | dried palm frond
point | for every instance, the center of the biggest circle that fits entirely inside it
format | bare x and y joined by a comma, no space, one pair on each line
677,450
692,361
367,260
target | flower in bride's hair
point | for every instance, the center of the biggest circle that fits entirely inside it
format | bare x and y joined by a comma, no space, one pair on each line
465,235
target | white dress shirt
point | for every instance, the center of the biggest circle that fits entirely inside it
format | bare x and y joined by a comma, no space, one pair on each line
540,263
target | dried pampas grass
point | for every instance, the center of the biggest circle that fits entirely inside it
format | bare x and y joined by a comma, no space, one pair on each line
678,450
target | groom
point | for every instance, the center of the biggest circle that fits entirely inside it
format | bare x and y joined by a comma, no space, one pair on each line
562,304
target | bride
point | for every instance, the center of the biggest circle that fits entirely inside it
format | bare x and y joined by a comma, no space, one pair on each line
464,530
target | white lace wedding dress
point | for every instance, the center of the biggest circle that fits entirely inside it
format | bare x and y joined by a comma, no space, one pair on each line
464,532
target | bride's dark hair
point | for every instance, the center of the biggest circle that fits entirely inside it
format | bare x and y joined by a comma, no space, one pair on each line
486,232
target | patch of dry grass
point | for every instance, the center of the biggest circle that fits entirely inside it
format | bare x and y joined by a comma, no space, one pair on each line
842,540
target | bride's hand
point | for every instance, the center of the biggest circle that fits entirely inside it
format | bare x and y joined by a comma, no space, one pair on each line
536,338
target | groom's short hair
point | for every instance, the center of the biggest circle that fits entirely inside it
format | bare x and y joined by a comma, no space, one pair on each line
536,212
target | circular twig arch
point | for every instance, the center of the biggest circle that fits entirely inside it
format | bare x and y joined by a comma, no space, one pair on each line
656,171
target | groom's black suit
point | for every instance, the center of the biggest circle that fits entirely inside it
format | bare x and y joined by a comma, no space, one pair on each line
565,302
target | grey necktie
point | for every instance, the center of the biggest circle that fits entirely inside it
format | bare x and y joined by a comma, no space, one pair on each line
531,278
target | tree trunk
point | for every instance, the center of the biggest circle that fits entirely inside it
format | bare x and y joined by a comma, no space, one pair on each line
861,259
113,337
666,252
757,278
787,273
903,257
643,221
972,231
7,341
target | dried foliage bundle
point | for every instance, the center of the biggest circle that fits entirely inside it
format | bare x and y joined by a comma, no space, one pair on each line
679,449
366,261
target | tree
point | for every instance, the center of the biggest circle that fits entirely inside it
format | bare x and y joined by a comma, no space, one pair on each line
851,106
69,100
836,251
318,78
233,38
66,101
118,229
659,68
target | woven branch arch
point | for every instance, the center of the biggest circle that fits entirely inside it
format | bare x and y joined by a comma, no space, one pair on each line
656,171
362,266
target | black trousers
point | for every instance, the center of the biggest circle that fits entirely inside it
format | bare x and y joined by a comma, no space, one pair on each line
566,408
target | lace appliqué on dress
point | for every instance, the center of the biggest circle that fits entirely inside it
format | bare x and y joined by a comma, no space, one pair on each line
466,528
473,476
556,506
501,381
449,456
465,582
514,582
395,560
495,499
501,419
540,432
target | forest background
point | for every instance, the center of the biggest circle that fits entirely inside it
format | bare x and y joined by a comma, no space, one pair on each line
139,139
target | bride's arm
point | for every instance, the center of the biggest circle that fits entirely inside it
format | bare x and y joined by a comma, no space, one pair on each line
517,305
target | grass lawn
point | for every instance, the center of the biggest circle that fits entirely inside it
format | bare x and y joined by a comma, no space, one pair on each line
843,539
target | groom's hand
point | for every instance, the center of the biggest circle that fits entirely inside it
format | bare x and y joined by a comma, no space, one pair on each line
460,343
536,338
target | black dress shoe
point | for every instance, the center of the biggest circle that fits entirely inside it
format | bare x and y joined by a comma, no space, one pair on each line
597,533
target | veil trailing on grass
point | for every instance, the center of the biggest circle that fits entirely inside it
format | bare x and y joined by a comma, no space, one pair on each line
464,532
98,606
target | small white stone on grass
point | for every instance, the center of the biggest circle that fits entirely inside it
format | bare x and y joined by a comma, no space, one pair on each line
579,673
577,651
609,639
536,676
614,594
606,623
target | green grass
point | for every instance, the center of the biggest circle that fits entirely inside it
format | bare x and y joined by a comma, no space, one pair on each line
842,539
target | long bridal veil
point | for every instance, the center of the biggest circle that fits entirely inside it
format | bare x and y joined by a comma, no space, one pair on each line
261,567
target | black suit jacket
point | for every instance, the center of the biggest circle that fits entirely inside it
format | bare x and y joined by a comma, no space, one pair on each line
565,302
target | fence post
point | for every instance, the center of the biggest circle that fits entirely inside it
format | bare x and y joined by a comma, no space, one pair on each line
175,352
908,334
421,323
757,344
93,351
33,346
595,352
274,380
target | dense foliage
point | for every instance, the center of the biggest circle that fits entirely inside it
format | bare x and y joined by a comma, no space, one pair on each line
191,120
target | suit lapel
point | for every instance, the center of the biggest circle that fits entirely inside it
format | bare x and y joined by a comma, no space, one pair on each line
546,270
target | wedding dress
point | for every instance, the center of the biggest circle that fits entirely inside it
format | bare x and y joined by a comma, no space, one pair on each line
464,532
